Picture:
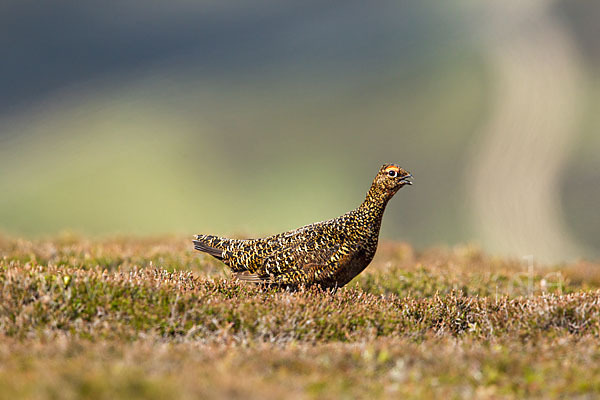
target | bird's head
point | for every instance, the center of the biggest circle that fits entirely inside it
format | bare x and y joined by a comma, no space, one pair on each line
391,178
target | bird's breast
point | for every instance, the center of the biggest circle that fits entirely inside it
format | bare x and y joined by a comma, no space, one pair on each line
354,266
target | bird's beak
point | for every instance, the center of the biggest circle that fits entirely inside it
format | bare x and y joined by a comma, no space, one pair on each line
406,179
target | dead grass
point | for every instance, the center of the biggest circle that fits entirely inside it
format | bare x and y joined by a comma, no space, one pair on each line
148,318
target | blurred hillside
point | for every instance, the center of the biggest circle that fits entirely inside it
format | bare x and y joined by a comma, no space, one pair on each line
262,116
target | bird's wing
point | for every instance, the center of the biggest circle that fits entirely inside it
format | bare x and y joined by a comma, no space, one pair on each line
291,267
292,263
300,252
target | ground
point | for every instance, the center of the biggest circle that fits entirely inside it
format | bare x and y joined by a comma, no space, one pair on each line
149,318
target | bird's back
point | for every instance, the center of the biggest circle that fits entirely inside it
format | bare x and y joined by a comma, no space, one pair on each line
281,257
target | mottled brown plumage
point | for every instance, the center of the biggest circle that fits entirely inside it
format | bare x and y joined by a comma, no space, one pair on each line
328,253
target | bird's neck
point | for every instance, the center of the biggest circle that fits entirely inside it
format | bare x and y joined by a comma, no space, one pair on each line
374,205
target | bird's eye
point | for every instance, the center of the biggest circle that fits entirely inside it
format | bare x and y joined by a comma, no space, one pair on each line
393,173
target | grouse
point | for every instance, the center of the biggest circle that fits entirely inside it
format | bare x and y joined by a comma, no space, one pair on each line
329,253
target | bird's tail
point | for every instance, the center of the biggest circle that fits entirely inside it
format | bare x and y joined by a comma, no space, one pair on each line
209,244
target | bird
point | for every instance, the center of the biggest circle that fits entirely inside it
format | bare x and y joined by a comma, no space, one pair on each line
328,254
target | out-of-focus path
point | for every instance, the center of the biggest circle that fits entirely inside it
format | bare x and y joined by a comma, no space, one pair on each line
516,169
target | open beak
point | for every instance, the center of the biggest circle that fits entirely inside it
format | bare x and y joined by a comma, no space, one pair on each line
406,179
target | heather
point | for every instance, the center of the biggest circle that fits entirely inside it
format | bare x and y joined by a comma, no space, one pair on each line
149,318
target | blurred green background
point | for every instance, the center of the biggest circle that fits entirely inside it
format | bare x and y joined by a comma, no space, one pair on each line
250,118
